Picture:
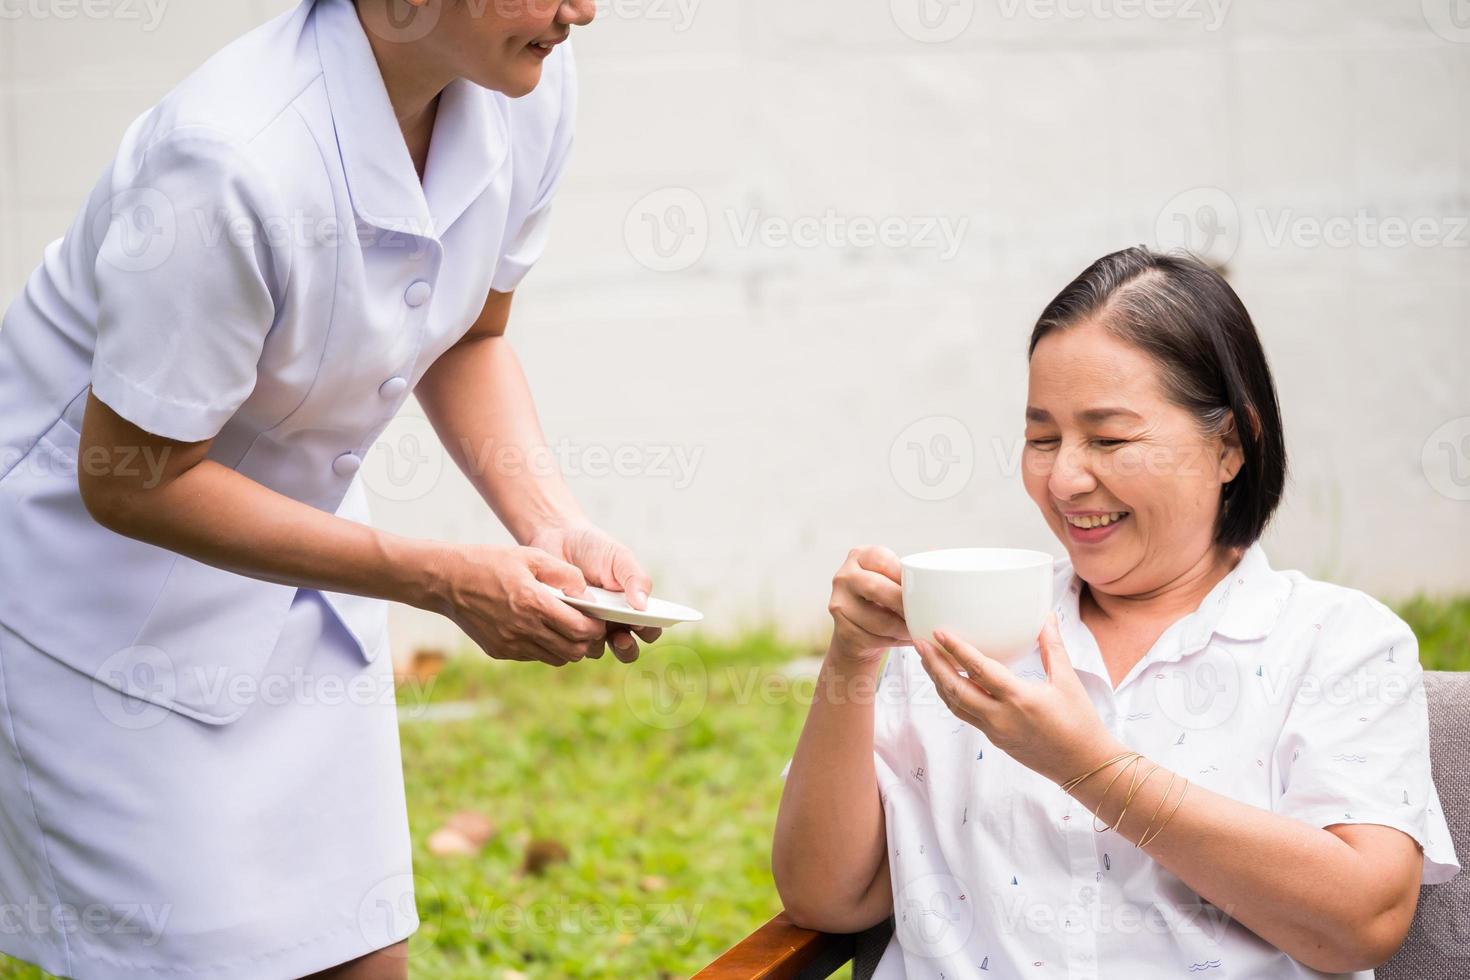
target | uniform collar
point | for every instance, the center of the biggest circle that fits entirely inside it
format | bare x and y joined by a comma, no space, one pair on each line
1244,605
469,144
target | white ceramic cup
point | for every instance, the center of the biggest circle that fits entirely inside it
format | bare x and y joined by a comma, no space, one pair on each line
995,599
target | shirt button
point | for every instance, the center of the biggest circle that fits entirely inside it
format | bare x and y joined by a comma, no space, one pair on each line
393,387
418,293
347,464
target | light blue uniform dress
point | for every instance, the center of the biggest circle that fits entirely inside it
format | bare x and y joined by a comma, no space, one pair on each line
199,771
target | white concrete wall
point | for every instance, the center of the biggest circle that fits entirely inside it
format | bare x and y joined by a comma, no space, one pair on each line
783,375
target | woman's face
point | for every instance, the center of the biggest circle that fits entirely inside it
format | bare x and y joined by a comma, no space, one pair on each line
500,44
1102,438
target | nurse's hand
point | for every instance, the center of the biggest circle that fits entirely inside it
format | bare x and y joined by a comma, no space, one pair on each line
607,565
494,595
1049,727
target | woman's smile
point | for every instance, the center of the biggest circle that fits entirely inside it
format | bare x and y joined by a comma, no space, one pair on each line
1092,526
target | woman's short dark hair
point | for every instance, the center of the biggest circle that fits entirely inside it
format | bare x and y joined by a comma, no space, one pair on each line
1185,316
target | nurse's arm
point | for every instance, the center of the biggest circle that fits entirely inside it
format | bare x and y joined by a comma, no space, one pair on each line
476,397
171,495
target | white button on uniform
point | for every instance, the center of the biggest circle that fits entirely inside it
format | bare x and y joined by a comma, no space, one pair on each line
346,464
418,293
393,387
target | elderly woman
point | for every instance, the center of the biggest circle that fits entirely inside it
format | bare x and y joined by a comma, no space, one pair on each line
1206,766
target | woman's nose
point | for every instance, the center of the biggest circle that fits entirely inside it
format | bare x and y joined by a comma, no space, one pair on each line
578,13
1070,474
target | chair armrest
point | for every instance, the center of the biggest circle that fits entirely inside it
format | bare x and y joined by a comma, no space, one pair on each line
780,950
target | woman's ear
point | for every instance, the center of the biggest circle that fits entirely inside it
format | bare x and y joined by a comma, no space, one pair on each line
1232,454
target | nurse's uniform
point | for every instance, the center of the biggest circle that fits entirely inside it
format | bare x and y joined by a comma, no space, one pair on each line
199,771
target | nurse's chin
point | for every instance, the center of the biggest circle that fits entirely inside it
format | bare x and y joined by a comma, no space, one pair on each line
513,81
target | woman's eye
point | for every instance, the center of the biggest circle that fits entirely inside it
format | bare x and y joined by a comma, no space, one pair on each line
1041,443
1110,443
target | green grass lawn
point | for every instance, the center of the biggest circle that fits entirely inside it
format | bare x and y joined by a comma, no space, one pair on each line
660,784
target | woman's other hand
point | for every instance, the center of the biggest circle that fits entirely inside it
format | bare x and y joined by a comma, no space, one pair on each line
1051,728
867,605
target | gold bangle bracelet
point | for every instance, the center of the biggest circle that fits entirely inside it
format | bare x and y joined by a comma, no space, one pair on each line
1162,800
1076,781
1132,792
1177,804
1098,809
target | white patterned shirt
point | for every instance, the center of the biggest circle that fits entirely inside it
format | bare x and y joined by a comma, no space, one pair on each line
1288,694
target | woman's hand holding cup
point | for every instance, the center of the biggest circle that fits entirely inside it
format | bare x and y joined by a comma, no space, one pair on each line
867,606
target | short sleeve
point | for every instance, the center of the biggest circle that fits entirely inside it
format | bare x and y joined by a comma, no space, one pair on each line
893,735
525,244
1355,745
186,286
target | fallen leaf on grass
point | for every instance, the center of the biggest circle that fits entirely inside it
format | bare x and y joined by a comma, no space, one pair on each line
542,853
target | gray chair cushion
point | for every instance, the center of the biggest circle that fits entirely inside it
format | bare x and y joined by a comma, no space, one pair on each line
1438,945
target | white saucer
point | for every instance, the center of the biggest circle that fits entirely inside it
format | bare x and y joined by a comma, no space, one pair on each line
612,607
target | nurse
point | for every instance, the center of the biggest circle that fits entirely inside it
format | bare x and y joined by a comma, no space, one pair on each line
199,761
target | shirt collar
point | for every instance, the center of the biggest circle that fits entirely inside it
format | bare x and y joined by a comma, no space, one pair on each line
469,144
1244,605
